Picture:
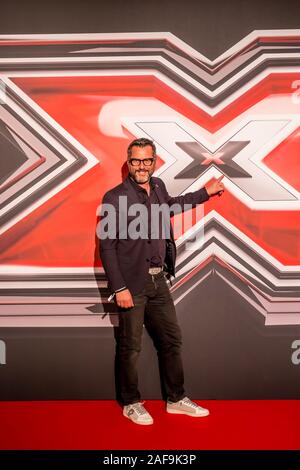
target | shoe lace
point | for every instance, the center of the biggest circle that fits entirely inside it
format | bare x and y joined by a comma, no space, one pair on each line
139,409
189,402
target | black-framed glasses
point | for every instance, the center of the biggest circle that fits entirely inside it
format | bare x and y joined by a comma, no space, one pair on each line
145,161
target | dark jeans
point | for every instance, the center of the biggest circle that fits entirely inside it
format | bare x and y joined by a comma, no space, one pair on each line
154,308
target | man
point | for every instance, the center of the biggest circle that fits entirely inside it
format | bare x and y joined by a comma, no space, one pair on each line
136,269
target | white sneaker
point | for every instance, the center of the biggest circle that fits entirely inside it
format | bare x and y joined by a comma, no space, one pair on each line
186,407
137,413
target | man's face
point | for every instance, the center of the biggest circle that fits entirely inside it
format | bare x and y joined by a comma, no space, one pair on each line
141,173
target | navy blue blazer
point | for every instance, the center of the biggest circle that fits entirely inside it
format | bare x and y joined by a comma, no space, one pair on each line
127,261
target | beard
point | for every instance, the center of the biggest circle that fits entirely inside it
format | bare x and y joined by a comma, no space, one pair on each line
141,176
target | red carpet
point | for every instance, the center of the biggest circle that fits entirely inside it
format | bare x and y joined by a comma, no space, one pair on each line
100,425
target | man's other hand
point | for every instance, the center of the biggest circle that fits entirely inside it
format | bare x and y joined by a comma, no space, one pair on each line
216,188
124,299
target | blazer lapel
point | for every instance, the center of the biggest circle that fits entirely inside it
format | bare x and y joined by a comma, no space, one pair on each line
161,200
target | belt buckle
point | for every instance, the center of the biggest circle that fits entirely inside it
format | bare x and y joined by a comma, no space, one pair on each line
155,270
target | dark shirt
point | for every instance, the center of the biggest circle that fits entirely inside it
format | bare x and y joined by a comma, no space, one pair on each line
157,245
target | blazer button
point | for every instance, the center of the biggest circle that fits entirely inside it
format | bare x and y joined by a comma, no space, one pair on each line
149,241
147,259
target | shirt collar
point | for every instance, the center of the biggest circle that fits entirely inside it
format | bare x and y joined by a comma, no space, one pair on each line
138,187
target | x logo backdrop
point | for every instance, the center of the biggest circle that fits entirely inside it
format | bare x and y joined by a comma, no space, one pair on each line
70,104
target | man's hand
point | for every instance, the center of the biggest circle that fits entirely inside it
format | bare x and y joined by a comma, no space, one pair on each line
216,188
124,299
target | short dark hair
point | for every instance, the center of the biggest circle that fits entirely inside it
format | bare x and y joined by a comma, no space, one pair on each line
142,142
